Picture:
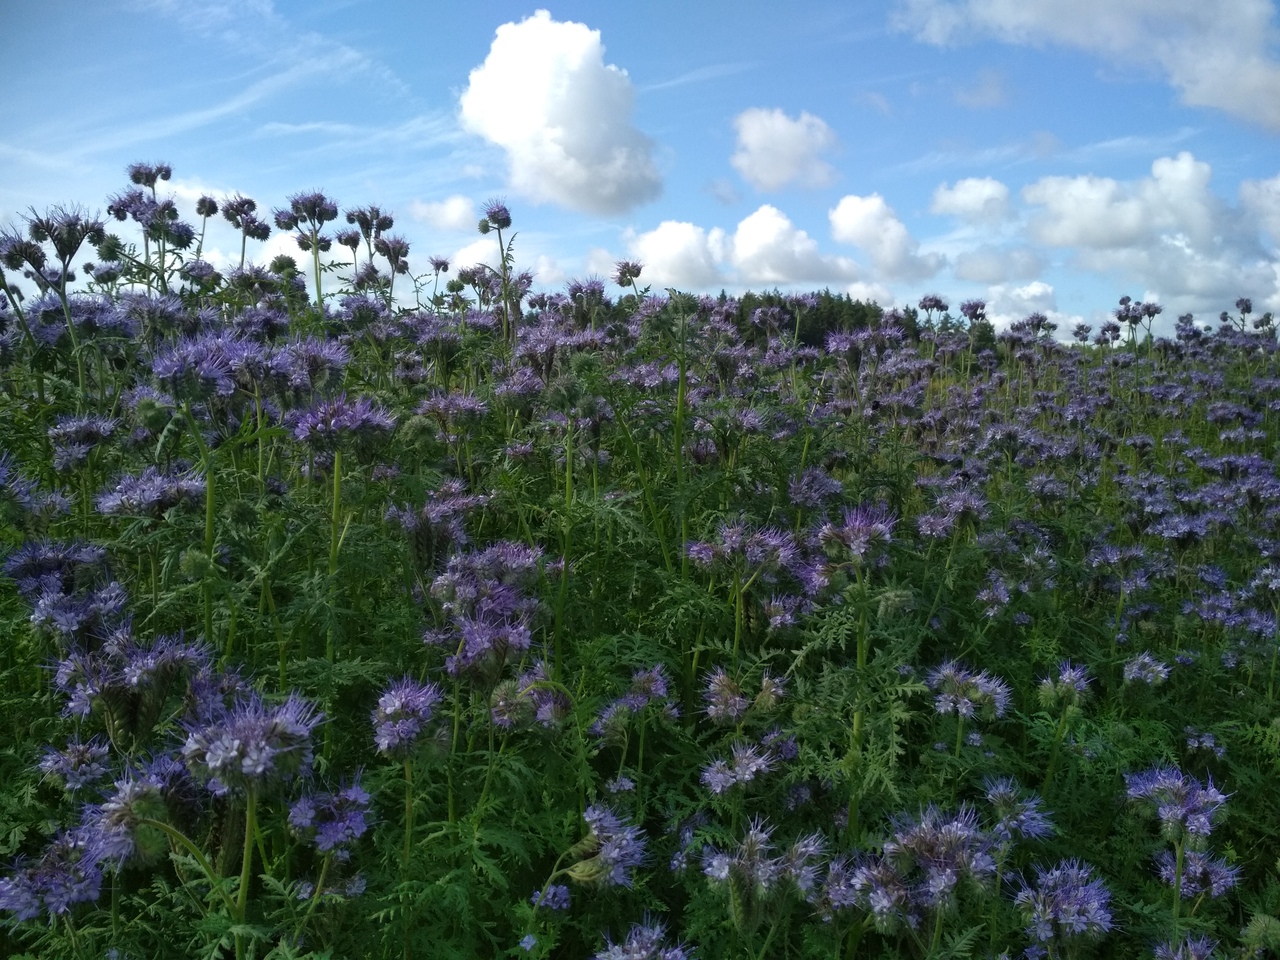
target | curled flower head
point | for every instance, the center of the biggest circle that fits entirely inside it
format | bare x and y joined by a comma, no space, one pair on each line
1144,668
334,820
404,708
1066,901
963,692
252,745
1185,806
611,850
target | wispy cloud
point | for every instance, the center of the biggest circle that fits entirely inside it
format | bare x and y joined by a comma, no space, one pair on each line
700,75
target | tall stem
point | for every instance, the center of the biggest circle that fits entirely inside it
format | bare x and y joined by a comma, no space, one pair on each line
246,867
335,540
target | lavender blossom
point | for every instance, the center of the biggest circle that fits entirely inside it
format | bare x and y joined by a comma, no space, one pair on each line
333,821
77,765
615,849
1186,807
645,941
150,493
404,708
1065,902
1069,688
963,692
252,745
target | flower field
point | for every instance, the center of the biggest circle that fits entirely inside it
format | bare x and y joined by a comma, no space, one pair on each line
357,613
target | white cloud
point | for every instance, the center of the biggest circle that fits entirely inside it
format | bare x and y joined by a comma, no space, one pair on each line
768,249
1216,54
1261,199
680,254
453,213
1103,213
871,225
482,250
986,264
869,292
1167,232
975,199
986,91
545,95
1006,304
774,150
546,270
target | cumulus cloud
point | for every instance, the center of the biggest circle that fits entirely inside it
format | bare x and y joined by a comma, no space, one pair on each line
545,95
974,199
1006,304
680,254
1261,199
775,150
1168,232
482,250
871,225
768,249
1216,55
453,213
987,264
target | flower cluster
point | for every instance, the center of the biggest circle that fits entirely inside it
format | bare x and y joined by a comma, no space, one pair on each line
333,821
610,852
404,708
1185,806
1065,902
963,692
252,745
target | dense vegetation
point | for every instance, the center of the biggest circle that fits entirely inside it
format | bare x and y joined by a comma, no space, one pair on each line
425,617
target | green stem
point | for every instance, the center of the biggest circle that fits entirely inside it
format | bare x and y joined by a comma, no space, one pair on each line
246,863
180,838
335,540
408,813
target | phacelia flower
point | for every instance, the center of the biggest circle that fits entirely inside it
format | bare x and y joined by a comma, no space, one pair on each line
252,745
404,708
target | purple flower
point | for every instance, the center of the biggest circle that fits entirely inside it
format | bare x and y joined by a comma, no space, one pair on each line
555,898
861,530
647,687
963,692
1191,948
120,823
1017,816
496,215
1184,805
325,424
252,745
1144,668
723,698
404,708
67,873
644,942
1066,901
1201,873
616,849
333,821
750,862
1068,689
77,765
150,493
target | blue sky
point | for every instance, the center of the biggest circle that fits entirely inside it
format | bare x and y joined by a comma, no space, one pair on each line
1050,155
